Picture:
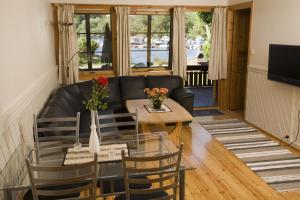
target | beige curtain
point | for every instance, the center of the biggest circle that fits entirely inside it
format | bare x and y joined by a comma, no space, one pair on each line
123,41
68,47
179,62
218,53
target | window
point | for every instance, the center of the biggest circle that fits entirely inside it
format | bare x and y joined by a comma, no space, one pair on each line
150,40
198,37
95,41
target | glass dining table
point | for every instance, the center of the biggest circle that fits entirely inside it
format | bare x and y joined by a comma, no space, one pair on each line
109,170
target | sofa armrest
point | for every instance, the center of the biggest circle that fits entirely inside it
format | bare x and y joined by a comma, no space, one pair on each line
184,97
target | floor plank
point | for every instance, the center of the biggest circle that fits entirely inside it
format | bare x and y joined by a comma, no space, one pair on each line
220,174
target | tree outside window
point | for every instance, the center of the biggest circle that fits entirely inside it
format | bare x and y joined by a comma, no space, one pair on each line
198,36
95,41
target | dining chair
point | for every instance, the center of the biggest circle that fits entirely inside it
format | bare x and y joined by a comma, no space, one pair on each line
162,172
63,182
114,127
54,135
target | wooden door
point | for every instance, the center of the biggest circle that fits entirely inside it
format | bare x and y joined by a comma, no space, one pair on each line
241,28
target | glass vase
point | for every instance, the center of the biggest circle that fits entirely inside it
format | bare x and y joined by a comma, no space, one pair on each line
156,104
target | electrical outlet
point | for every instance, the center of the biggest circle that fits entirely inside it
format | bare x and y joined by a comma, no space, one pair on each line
286,137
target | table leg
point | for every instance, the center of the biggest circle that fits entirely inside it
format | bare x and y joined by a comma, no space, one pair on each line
175,133
181,184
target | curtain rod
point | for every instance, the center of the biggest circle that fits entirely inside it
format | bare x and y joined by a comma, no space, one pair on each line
149,6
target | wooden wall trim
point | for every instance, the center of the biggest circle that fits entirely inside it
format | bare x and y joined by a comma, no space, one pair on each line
241,6
257,69
224,85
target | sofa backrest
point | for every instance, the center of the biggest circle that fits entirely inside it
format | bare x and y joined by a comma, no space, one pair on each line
166,81
114,90
66,101
85,89
132,87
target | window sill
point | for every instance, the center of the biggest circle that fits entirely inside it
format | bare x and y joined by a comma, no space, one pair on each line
88,75
151,72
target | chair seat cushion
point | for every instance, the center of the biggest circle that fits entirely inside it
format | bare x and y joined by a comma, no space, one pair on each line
28,195
143,196
119,185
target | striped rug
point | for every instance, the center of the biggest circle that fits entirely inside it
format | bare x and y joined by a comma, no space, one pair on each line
275,164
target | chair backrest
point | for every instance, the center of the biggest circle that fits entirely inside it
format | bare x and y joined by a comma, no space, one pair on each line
117,126
63,182
54,135
162,172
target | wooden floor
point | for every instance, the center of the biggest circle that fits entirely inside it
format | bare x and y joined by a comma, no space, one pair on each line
219,174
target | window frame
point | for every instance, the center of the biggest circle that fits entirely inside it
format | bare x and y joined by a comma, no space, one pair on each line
149,34
88,34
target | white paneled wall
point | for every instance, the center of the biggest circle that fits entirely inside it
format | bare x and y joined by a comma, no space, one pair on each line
16,126
272,106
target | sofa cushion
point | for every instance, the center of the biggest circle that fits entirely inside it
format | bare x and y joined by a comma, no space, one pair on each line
132,87
114,90
85,89
58,106
116,107
167,81
72,95
85,122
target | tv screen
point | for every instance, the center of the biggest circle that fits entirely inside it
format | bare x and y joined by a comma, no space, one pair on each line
284,63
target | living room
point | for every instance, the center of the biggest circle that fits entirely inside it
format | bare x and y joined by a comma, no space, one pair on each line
264,164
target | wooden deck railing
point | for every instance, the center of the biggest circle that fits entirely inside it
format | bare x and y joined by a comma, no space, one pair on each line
197,75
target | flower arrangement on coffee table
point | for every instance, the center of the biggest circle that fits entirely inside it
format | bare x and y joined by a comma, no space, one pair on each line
156,96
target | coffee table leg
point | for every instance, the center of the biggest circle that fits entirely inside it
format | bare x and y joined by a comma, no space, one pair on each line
145,128
175,133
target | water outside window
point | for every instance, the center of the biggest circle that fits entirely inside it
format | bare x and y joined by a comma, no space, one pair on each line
150,40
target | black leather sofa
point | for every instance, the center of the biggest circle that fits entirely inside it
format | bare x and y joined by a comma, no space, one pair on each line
67,100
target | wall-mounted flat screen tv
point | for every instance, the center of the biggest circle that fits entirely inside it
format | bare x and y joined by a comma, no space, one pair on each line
284,63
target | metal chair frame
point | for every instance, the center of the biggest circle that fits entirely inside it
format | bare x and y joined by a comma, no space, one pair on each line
50,142
39,184
167,172
112,135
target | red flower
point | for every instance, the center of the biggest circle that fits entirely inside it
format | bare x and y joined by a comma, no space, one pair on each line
103,81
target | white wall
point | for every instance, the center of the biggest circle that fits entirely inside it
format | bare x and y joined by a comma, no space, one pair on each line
151,2
27,76
271,105
26,49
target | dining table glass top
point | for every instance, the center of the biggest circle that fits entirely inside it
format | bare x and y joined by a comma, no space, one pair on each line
153,144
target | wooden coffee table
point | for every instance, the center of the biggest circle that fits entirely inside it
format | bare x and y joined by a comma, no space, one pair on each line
178,115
